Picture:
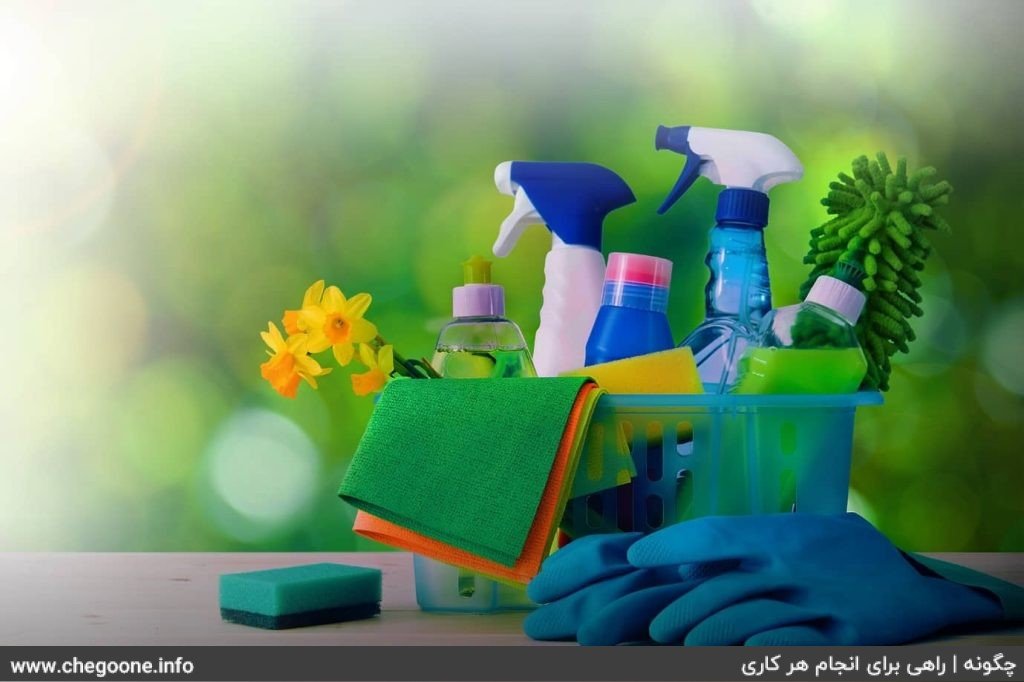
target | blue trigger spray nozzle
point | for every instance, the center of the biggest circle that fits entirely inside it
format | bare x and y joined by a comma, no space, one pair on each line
571,199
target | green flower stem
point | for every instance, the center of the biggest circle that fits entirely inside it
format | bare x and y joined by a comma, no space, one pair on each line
429,368
414,369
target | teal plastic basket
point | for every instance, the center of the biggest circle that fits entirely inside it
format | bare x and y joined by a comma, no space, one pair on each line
701,455
441,587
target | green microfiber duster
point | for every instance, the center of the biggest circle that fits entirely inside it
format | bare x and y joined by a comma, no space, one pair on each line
881,217
296,596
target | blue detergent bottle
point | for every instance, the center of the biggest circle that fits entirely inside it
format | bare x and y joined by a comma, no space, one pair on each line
632,320
738,293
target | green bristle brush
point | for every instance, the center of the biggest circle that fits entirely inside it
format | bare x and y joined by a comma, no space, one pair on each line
881,216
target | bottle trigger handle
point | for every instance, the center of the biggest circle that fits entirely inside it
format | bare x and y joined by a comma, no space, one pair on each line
677,140
523,213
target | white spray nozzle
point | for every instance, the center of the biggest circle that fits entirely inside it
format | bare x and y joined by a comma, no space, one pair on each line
503,178
523,212
739,158
733,158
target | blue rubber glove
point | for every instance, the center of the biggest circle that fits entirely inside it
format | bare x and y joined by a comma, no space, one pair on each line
592,594
800,579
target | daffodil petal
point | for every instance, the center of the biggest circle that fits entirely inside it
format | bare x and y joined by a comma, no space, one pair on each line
281,373
386,359
343,353
272,337
333,300
313,320
362,330
312,317
368,382
298,344
308,365
289,389
313,294
358,305
317,344
366,356
291,322
360,385
267,369
275,333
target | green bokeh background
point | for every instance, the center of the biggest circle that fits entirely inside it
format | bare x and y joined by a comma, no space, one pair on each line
173,175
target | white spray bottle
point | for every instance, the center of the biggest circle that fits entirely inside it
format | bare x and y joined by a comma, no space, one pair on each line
572,200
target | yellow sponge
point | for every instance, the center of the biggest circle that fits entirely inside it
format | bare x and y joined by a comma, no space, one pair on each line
670,371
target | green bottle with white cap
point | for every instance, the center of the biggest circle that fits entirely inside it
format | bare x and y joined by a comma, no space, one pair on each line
811,347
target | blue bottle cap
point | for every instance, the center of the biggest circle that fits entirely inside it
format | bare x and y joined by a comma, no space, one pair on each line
742,207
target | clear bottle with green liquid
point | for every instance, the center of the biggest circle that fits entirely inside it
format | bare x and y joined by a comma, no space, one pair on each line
810,347
479,343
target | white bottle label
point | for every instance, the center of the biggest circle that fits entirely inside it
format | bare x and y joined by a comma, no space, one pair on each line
573,282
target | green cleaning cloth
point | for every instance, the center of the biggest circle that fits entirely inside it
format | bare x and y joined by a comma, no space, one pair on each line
464,461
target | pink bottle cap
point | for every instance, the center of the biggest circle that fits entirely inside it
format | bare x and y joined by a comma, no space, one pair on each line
638,269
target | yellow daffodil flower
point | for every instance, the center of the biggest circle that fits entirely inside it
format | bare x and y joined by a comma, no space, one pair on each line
380,367
289,361
293,324
337,323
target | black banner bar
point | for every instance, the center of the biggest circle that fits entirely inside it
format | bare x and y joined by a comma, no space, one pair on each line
512,664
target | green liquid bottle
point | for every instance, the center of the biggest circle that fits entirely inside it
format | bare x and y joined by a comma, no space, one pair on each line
810,347
479,343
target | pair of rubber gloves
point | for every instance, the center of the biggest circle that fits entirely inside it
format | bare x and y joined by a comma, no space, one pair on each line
786,579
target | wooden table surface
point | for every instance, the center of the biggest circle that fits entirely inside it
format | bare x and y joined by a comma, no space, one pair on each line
171,599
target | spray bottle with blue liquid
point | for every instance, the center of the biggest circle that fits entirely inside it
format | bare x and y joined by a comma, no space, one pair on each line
572,200
738,293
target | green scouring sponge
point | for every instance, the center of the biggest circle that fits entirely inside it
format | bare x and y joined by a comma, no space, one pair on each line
293,597
881,216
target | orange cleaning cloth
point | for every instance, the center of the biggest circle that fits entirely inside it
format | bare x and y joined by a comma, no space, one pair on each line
545,523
